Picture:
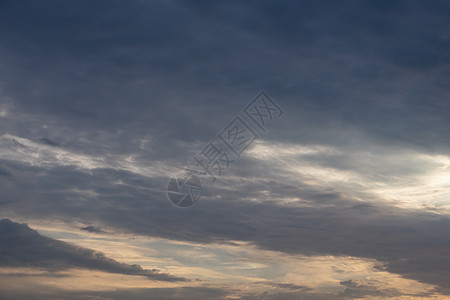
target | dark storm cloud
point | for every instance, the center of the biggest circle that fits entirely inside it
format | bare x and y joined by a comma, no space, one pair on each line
23,247
148,69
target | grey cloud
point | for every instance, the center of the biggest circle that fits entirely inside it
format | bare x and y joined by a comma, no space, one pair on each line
411,243
23,247
95,229
5,172
47,141
287,286
183,293
354,290
332,65
152,82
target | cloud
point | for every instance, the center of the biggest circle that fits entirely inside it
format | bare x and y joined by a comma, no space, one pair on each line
354,290
183,293
337,68
95,229
102,101
321,221
47,141
24,247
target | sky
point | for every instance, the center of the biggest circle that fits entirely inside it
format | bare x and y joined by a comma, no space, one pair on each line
343,194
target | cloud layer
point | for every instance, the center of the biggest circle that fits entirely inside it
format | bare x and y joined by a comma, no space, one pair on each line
100,104
24,247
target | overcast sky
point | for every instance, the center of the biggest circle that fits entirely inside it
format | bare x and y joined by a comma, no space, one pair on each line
343,196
